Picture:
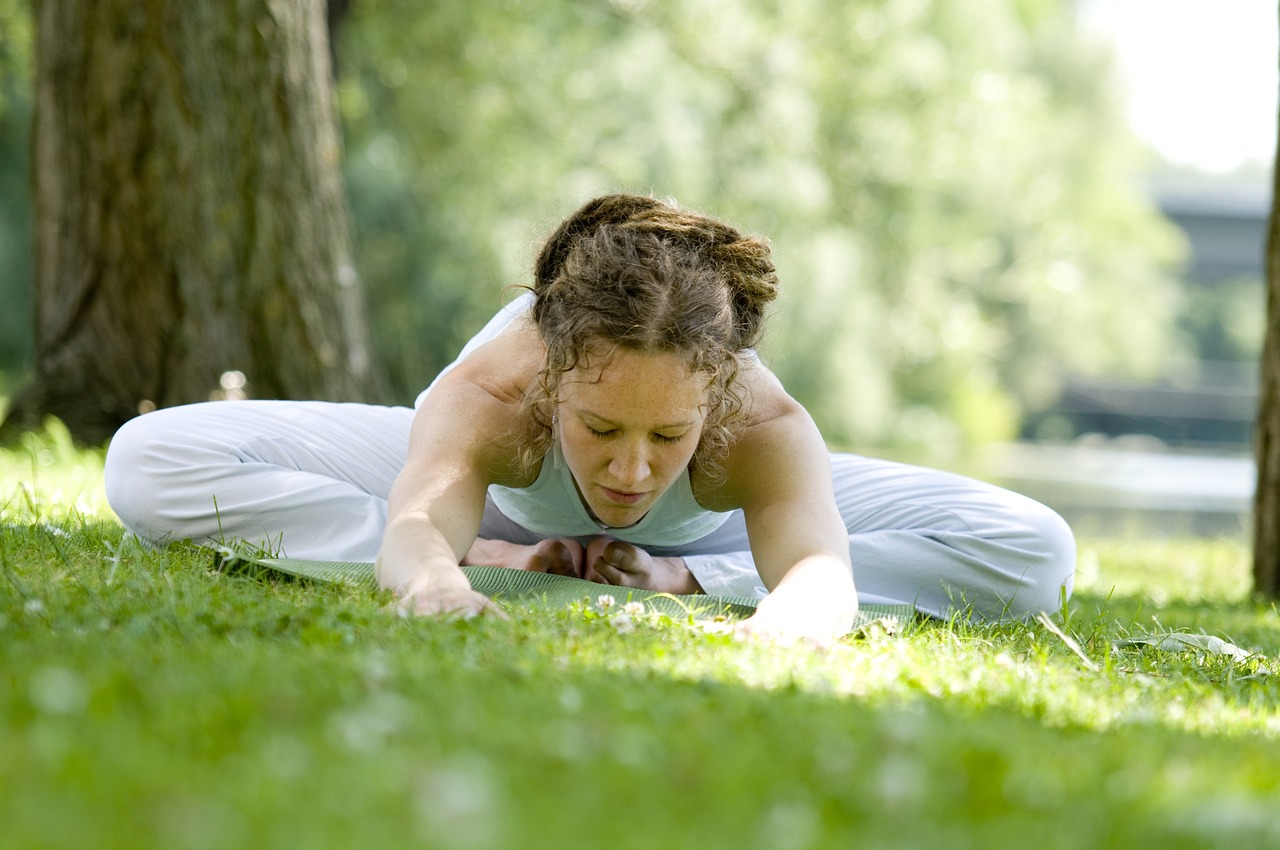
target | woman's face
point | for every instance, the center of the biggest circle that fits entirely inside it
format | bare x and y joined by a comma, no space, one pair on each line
628,430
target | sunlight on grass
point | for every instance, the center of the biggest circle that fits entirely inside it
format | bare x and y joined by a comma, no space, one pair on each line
47,476
168,704
1166,570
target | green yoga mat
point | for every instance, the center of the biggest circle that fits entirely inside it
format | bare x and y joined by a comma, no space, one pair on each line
552,591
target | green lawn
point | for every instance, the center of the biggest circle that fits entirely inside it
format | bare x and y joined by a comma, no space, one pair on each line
149,701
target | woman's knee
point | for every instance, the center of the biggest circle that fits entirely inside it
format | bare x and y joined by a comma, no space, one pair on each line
126,474
1049,551
122,473
150,465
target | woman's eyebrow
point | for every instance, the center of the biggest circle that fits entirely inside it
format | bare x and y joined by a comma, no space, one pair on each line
604,420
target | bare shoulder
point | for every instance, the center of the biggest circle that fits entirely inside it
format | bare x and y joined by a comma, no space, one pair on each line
765,398
474,413
776,442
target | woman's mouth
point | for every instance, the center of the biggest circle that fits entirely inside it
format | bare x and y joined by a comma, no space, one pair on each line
622,498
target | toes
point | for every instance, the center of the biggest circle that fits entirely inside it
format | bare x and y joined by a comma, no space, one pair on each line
557,558
621,555
595,549
562,562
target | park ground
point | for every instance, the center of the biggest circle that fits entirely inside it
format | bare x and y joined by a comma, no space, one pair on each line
148,699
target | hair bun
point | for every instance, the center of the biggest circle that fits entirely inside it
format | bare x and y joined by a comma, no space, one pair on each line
752,280
744,263
590,217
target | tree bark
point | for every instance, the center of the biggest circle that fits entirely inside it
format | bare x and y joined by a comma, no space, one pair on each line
1266,499
190,214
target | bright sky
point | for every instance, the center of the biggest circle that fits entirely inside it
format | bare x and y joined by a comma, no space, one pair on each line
1201,75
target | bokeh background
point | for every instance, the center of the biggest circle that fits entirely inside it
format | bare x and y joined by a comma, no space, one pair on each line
1018,237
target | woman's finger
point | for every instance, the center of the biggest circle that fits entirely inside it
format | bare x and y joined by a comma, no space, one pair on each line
462,605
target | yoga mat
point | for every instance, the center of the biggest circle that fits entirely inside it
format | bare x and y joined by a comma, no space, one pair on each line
552,591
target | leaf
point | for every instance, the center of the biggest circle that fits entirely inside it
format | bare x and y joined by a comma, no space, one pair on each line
1184,642
1071,643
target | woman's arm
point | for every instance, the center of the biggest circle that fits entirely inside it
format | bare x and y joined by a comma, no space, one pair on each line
437,502
778,470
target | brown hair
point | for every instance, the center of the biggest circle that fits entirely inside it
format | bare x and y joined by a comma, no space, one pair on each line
630,271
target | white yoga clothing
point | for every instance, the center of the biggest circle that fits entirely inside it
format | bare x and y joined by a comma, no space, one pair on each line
311,479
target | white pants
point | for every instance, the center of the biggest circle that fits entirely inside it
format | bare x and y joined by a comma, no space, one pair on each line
311,479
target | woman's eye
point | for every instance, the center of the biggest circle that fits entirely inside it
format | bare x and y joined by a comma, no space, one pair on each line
663,438
600,435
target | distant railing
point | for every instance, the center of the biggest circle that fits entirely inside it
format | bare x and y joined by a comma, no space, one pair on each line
1103,487
1216,413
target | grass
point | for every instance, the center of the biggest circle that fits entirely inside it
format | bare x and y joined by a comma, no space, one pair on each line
147,700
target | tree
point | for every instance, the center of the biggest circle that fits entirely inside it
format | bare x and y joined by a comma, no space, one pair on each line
189,211
1266,499
949,187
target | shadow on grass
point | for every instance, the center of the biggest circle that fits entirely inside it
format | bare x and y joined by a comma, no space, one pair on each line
158,698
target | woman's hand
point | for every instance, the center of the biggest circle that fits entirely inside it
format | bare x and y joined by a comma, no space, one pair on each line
444,593
611,561
815,604
787,619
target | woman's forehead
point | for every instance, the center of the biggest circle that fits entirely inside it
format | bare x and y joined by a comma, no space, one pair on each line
620,362
631,381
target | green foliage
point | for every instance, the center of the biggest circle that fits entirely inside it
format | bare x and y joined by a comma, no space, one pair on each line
948,186
1226,320
148,700
47,474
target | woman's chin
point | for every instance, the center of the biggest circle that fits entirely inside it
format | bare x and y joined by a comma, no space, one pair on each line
614,516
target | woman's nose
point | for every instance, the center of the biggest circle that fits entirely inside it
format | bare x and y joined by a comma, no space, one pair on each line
630,465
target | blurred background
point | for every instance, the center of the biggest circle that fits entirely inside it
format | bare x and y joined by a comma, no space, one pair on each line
1022,239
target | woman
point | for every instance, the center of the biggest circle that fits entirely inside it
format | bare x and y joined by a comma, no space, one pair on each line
614,424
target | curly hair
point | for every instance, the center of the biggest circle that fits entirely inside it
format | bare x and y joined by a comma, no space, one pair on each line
633,272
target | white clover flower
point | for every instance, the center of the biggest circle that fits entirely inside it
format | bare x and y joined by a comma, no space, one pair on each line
633,609
623,624
604,602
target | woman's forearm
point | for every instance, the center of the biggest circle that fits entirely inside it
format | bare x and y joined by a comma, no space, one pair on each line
409,539
819,574
420,565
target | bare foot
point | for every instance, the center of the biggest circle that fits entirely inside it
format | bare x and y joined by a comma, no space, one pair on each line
558,556
610,561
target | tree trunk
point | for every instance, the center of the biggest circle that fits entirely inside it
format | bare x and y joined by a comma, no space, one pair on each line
190,216
1266,499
